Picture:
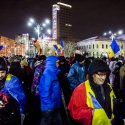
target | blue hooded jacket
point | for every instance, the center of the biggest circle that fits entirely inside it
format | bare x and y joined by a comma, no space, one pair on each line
49,87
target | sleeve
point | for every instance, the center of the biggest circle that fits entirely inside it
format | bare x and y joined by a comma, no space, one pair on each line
72,78
78,108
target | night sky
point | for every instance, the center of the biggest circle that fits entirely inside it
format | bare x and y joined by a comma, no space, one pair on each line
90,17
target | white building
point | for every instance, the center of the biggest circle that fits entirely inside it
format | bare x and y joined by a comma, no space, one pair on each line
29,47
98,46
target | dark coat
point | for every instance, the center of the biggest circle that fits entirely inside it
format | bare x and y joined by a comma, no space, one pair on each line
10,113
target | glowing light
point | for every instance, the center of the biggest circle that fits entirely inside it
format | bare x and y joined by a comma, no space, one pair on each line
48,31
29,24
120,32
105,34
31,20
63,4
44,25
110,32
47,21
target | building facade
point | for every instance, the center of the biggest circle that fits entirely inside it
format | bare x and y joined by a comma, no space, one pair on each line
99,46
62,21
10,47
24,39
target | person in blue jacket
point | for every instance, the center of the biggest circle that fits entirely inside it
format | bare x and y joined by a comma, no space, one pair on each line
12,97
77,72
50,93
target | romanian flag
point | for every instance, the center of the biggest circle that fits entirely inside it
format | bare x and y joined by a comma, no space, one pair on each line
114,48
61,44
59,47
62,47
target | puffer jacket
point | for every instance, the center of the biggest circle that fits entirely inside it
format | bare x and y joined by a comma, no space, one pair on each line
49,86
76,75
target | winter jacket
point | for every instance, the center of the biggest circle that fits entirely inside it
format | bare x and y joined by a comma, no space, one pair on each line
10,112
85,109
49,87
76,75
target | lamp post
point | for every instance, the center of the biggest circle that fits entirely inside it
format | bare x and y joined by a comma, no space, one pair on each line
38,27
113,35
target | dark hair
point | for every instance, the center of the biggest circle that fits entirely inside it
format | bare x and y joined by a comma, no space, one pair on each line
41,57
3,64
79,57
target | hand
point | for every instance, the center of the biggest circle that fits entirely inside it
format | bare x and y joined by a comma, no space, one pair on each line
2,105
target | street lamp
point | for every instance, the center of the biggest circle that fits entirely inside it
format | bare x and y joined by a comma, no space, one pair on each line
112,35
48,31
39,27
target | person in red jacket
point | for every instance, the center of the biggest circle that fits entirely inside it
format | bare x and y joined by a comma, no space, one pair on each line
92,102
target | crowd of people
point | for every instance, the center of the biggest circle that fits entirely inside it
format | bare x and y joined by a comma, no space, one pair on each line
57,90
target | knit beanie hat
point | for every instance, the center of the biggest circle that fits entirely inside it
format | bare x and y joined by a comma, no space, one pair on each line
3,64
79,57
98,65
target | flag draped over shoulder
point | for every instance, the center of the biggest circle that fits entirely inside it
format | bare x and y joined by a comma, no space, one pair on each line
114,48
1,47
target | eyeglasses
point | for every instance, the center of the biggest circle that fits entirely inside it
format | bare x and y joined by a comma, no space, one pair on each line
101,74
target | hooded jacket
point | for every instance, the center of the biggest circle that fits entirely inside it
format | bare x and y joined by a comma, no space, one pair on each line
49,87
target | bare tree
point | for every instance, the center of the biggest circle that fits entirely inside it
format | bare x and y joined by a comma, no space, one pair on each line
69,48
